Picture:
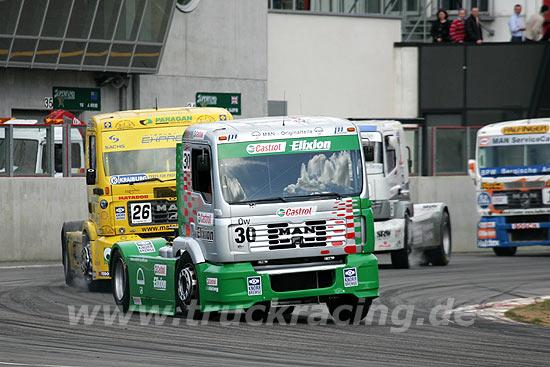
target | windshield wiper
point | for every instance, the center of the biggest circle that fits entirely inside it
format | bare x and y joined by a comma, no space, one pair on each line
324,194
273,199
152,179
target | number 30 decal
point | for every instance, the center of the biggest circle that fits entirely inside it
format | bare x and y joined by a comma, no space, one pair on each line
241,234
186,160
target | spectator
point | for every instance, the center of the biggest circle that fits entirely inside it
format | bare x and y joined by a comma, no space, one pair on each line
440,27
473,28
457,27
516,25
533,30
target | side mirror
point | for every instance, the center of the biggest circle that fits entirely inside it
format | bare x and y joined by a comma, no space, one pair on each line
472,168
409,160
369,153
90,176
391,143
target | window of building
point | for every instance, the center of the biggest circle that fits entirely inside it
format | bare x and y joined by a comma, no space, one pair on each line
202,176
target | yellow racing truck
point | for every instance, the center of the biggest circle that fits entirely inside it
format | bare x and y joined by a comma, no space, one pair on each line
130,178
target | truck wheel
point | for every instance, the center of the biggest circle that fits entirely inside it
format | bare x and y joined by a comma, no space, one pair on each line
187,287
348,309
400,258
119,282
68,272
505,251
87,265
442,255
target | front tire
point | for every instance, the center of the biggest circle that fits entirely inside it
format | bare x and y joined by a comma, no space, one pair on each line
400,258
67,270
187,287
505,251
87,265
119,282
348,309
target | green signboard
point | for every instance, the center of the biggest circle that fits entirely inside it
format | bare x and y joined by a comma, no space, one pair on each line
76,99
229,101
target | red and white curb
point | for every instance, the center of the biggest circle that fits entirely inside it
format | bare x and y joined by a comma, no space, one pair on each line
494,311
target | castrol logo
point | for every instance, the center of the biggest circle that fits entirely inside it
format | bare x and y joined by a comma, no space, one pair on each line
296,212
262,148
205,219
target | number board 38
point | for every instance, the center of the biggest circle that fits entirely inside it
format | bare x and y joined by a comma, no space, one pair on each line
141,213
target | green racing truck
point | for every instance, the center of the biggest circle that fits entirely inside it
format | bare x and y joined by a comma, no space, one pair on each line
270,210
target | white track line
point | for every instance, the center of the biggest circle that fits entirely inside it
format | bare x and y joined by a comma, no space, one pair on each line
34,365
28,266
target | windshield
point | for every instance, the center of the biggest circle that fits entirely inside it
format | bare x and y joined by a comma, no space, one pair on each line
291,175
514,159
139,161
24,156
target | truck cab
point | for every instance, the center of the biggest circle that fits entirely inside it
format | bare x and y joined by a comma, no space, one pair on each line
131,184
511,174
401,227
269,209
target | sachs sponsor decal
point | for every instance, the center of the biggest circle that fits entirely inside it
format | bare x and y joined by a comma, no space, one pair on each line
296,212
262,148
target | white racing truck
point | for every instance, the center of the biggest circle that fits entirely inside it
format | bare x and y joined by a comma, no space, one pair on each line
400,226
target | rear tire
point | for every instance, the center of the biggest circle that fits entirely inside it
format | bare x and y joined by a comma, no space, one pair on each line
348,309
400,258
505,251
119,282
442,255
187,287
67,270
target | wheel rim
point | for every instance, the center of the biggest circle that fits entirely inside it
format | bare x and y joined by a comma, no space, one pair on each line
186,283
120,281
446,240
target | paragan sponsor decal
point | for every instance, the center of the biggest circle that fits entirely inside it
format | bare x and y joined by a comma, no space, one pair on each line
296,212
525,129
262,148
173,119
126,179
205,219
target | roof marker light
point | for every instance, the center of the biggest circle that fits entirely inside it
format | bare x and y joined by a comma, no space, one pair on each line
351,129
222,138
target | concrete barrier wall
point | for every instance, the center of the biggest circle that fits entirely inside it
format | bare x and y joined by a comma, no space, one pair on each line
32,211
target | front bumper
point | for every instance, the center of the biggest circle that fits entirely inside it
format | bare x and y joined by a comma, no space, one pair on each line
239,285
525,231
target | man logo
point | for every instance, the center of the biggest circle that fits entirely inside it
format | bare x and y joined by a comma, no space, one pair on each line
146,122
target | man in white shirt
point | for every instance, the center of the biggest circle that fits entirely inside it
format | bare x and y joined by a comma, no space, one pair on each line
533,31
516,25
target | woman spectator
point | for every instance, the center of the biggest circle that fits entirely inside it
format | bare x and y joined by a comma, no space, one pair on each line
440,27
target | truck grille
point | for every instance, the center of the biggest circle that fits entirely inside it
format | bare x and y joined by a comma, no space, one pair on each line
318,233
521,199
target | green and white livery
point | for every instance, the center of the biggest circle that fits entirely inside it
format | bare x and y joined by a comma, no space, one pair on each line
269,209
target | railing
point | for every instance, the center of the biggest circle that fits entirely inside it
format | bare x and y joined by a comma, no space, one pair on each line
41,150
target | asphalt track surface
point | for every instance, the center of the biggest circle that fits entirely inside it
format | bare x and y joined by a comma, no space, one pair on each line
35,328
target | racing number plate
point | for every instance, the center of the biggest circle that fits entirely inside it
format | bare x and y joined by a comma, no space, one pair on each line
141,213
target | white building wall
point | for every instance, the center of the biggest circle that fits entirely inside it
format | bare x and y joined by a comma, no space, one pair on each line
333,65
219,47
